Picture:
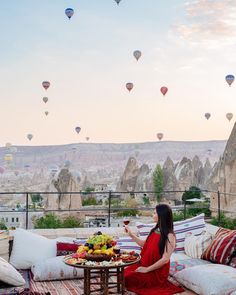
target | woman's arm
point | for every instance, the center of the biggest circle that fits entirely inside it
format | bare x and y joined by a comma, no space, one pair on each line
137,240
170,247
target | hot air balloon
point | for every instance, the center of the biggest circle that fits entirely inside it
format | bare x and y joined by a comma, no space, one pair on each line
46,113
229,116
129,86
160,136
87,138
229,79
8,158
137,54
45,99
164,90
77,129
29,136
118,2
69,12
46,84
207,116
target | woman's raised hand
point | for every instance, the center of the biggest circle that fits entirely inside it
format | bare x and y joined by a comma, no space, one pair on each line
128,230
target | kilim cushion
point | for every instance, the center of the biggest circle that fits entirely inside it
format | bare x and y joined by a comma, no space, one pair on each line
66,248
222,247
194,246
195,225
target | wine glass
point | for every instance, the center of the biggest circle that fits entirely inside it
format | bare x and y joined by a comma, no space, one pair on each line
126,221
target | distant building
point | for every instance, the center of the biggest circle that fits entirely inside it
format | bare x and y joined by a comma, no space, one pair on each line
12,218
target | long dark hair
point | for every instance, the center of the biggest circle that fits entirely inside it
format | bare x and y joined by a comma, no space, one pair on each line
164,225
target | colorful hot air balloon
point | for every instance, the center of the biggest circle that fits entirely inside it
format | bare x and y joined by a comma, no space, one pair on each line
207,116
46,113
129,86
137,54
29,136
77,129
229,79
164,90
46,84
87,138
229,116
69,12
45,99
118,2
160,136
8,158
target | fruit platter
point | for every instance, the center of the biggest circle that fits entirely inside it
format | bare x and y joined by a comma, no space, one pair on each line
100,250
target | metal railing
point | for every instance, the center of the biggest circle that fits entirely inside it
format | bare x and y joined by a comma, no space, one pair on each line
112,207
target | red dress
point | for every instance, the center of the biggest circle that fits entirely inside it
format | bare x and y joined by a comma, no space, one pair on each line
154,282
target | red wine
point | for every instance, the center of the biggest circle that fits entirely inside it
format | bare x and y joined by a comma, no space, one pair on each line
126,222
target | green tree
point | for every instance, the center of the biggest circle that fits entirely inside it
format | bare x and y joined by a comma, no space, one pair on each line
146,200
89,201
36,198
193,192
2,226
158,182
48,221
70,222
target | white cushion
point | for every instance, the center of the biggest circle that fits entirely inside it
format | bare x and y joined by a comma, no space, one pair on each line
209,279
195,225
55,269
127,244
194,246
9,275
29,248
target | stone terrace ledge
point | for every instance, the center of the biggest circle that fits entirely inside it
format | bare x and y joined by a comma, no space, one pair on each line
84,233
80,233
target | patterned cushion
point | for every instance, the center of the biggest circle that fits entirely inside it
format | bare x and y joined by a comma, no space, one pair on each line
222,247
208,279
127,244
55,269
66,248
178,265
194,246
195,225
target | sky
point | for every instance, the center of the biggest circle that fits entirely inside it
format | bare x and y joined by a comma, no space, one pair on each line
188,46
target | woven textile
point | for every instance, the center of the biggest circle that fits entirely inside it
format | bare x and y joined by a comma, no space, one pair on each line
195,226
194,246
222,247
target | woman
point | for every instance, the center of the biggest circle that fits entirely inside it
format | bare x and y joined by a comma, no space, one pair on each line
150,274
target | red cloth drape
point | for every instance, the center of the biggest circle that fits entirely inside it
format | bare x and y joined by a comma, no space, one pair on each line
154,282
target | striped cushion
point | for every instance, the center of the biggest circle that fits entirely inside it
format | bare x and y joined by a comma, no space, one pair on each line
194,246
222,247
195,225
127,244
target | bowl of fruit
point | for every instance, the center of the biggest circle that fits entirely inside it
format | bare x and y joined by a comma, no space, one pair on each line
98,247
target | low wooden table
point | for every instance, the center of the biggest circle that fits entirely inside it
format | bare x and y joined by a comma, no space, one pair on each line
104,273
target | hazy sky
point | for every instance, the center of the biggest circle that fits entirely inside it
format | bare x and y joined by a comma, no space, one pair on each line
188,46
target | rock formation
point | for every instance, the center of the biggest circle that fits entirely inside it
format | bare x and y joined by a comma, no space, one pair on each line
177,177
223,178
65,182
